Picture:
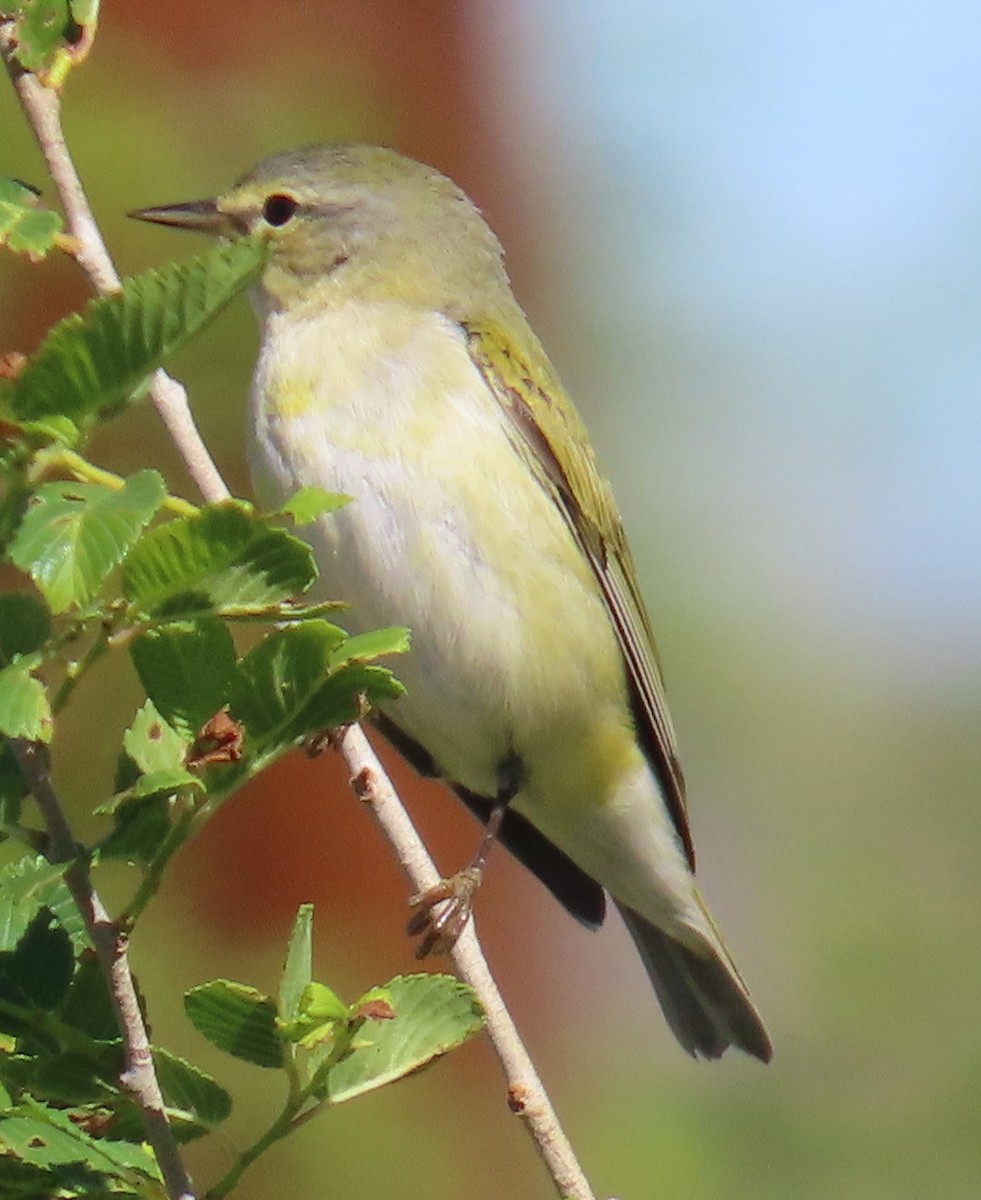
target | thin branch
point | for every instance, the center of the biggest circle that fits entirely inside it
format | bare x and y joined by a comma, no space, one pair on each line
526,1094
138,1077
42,107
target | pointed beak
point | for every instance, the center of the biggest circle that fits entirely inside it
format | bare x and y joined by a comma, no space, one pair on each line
200,216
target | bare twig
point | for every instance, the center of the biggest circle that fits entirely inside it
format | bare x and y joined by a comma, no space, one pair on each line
526,1094
42,106
138,1077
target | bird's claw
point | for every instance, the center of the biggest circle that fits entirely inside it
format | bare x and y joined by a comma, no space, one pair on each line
443,911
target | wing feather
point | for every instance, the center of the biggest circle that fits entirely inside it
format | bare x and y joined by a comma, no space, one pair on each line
547,427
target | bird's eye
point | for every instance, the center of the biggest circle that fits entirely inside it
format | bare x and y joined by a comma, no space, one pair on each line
278,209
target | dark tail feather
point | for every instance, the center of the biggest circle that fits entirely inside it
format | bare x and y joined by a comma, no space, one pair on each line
704,1000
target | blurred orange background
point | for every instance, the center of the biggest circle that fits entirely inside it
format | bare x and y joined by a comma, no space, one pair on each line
693,210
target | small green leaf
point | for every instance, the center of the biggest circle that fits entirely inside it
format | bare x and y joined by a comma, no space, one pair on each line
286,689
25,625
238,1019
298,969
309,503
24,226
41,32
434,1013
152,744
93,362
186,668
25,885
196,1096
25,711
222,556
376,644
74,534
277,680
84,12
322,1003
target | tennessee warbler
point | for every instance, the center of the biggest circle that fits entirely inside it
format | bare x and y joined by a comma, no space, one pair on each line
396,366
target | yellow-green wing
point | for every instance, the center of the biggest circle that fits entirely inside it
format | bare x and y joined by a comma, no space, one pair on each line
550,434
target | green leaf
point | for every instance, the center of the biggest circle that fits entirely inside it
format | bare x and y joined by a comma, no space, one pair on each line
93,362
41,32
32,883
309,503
24,227
25,625
298,969
46,1137
25,885
38,970
152,744
74,534
84,12
186,668
238,1019
88,1006
376,644
222,556
277,680
141,827
13,788
434,1013
196,1096
286,688
24,708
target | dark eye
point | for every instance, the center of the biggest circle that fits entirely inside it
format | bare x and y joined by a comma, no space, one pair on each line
278,209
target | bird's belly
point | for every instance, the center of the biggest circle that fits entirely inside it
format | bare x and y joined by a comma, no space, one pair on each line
449,533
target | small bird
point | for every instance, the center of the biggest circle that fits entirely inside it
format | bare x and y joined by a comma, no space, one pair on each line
396,366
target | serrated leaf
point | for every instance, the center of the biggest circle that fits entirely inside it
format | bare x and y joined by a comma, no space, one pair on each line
24,226
197,1096
222,556
47,1137
238,1019
278,678
286,688
25,625
95,360
25,885
376,644
32,883
152,744
434,1014
74,534
25,711
186,668
298,969
309,503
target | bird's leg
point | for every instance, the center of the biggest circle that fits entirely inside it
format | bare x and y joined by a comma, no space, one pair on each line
442,911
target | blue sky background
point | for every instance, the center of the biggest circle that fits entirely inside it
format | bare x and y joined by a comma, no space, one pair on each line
783,204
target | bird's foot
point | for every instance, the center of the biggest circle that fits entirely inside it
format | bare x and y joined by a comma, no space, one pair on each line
442,911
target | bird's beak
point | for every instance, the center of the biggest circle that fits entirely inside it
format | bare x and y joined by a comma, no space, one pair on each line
200,216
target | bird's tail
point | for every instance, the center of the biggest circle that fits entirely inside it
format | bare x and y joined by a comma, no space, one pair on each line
703,996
